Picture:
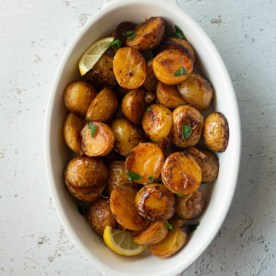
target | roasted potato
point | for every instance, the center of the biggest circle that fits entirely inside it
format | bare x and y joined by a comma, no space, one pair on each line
155,233
71,132
147,35
168,95
103,106
133,105
150,82
216,132
123,208
187,126
129,67
190,206
150,97
144,163
172,66
157,122
208,163
165,144
155,202
196,91
122,29
77,97
181,174
99,216
127,136
84,172
97,139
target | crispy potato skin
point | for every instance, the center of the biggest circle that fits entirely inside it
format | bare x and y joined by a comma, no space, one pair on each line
127,136
146,160
71,132
157,122
84,172
155,233
196,91
155,202
168,95
150,82
148,35
77,97
133,105
103,106
216,132
129,67
99,216
181,174
168,62
190,206
123,208
102,142
186,115
121,29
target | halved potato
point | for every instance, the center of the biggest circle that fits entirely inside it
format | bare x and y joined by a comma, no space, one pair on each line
150,81
121,29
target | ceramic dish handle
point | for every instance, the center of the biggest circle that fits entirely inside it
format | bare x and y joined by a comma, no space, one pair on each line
171,1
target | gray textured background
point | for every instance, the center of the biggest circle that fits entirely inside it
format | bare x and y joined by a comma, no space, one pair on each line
34,36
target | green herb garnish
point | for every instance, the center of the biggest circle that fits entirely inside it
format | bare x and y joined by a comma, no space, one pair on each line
187,131
148,109
169,226
179,72
129,35
179,195
179,33
92,128
151,179
116,43
131,176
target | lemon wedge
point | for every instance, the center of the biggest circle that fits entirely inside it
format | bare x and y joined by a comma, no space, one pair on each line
93,54
121,242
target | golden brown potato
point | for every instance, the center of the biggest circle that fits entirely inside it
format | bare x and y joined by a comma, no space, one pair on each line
144,164
99,216
157,122
155,233
181,174
123,208
187,126
155,202
147,35
97,139
149,97
78,95
172,66
190,206
84,172
150,82
129,67
122,29
102,75
133,105
208,163
103,106
168,95
71,132
216,132
196,91
127,136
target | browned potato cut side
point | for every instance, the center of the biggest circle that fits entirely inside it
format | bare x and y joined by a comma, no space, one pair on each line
181,174
172,66
97,139
150,82
121,29
129,67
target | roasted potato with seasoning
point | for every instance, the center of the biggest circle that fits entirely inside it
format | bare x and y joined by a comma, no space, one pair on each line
130,68
216,132
103,106
187,126
172,66
71,132
155,233
122,29
77,97
181,174
157,122
196,91
123,208
127,136
97,139
144,163
190,206
147,35
99,216
133,105
155,202
150,96
168,95
150,82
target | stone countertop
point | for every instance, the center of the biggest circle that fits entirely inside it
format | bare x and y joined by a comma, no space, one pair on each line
34,36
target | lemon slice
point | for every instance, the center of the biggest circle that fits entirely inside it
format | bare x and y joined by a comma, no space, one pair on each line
93,54
121,242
